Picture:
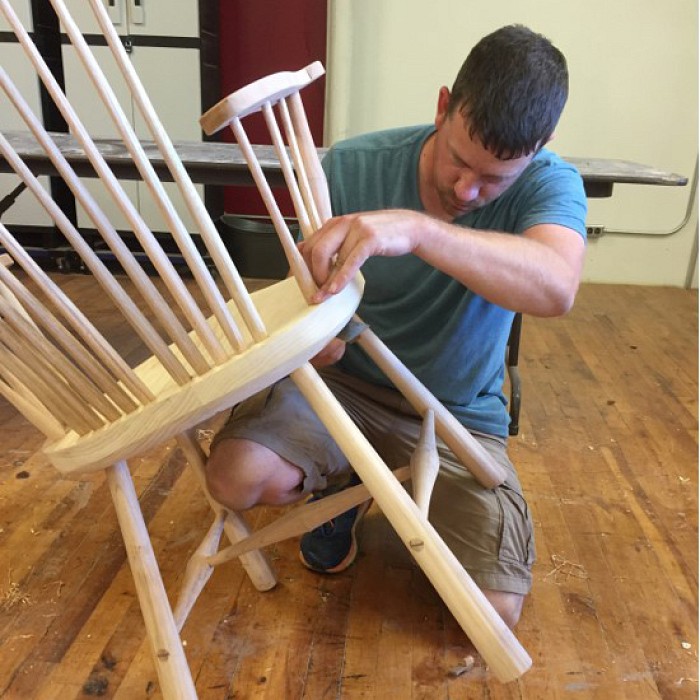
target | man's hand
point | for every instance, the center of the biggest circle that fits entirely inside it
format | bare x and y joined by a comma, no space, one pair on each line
330,354
337,251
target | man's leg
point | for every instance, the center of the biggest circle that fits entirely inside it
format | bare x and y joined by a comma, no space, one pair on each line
242,473
508,605
272,451
489,530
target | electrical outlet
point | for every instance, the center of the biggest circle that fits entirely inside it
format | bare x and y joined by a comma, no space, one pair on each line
595,231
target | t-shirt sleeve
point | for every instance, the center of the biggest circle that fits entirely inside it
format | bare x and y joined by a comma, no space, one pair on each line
330,167
556,196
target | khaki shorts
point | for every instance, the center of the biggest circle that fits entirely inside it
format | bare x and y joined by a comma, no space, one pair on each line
488,530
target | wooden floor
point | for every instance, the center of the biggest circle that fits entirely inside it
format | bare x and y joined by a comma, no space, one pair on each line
607,453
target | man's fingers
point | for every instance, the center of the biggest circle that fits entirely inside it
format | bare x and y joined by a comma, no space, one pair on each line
340,276
320,250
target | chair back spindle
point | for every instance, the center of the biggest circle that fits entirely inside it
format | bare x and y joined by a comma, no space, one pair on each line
264,95
212,241
156,255
175,225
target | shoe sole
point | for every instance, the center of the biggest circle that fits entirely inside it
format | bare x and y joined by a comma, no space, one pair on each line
352,554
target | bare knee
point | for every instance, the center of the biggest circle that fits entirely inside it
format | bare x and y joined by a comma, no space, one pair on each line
508,605
241,474
224,476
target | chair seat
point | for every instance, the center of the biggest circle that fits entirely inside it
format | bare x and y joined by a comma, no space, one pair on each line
297,332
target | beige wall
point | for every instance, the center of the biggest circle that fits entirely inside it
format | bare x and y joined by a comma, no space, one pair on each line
634,96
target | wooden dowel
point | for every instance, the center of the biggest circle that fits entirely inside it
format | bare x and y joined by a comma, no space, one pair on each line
31,356
19,360
482,624
56,398
33,411
425,464
287,170
301,519
20,389
458,439
96,372
309,154
10,296
300,168
212,240
158,305
176,227
198,571
131,312
60,365
296,262
166,646
78,321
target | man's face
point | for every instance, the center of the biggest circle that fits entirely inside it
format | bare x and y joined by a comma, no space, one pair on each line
466,176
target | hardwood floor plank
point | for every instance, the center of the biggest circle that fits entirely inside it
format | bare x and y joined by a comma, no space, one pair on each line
607,455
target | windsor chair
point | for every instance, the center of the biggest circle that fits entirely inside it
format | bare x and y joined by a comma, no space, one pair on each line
97,412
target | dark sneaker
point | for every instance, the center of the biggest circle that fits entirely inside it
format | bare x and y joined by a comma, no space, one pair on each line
332,547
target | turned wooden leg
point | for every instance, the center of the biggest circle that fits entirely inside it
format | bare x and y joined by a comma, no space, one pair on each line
425,464
168,655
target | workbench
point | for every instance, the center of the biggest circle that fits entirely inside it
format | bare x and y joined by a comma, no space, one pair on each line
215,163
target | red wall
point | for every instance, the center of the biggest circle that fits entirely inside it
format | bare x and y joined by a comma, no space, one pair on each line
259,37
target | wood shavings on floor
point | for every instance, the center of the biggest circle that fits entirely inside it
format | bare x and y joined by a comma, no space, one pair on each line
564,570
13,595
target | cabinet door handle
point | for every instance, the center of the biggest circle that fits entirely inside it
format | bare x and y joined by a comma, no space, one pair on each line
114,10
137,12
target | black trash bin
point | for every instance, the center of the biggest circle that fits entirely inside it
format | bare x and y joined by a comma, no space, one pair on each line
254,246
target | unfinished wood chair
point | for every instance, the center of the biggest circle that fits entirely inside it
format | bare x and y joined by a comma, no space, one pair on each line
97,412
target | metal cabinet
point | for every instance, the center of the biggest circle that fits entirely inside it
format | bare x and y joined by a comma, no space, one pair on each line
163,41
174,47
24,210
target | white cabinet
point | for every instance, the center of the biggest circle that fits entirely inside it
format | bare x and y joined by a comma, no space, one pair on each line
25,211
162,18
162,37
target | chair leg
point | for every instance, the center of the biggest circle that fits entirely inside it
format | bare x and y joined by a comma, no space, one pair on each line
482,624
425,464
198,571
512,354
515,399
166,646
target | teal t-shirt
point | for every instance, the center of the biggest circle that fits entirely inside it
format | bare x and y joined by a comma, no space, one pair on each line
452,339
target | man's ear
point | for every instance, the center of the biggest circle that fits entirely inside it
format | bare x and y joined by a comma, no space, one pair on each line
442,105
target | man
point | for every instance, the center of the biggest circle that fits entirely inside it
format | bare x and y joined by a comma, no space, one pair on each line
455,226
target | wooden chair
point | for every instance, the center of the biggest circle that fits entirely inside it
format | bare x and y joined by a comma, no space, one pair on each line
97,412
